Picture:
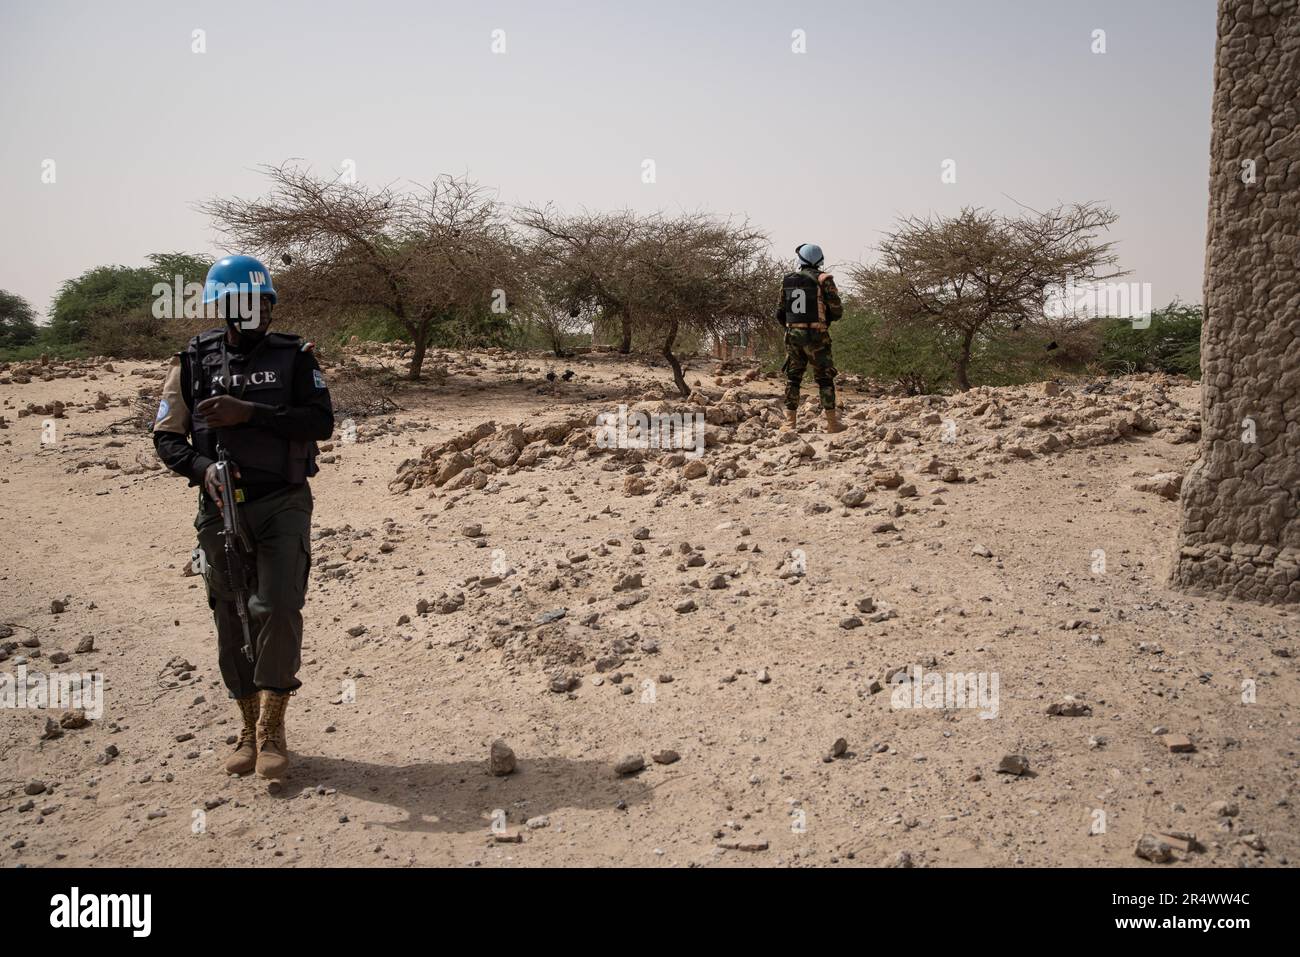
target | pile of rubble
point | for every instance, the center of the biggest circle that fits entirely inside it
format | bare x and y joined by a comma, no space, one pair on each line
46,369
472,457
742,435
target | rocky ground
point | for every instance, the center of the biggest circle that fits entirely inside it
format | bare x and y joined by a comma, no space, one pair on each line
525,648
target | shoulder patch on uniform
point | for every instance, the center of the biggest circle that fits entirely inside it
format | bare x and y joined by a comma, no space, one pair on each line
163,408
318,378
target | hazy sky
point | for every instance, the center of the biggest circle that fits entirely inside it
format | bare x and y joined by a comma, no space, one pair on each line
827,146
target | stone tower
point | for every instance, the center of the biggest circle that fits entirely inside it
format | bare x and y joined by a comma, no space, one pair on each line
1240,533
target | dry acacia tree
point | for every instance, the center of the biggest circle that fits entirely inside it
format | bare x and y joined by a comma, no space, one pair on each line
582,263
702,275
981,275
440,256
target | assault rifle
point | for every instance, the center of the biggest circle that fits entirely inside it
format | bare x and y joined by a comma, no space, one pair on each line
237,546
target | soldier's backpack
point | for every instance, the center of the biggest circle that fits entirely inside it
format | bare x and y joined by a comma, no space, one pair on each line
801,299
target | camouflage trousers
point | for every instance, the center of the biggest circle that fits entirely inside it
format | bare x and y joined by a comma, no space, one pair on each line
801,347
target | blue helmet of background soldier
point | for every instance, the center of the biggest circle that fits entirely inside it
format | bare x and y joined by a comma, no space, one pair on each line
810,254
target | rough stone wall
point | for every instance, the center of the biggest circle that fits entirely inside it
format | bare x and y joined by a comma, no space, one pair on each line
1241,500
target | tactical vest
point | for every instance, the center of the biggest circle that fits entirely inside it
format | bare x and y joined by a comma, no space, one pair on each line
801,298
264,376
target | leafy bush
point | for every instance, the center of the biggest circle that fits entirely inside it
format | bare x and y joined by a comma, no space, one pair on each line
17,321
1171,343
136,335
909,356
919,359
90,304
373,327
34,350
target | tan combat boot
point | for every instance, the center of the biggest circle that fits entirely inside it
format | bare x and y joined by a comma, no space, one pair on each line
245,757
272,752
833,423
791,419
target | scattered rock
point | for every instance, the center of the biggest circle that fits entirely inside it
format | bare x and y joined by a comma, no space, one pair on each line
74,719
1224,809
1016,764
1151,848
1183,841
1069,707
501,760
630,764
740,844
1164,484
1254,842
563,684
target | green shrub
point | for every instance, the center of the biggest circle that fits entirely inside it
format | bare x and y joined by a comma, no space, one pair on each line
34,350
136,335
91,303
910,357
376,327
17,321
1171,343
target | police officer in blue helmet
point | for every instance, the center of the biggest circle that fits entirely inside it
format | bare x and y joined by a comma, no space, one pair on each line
258,398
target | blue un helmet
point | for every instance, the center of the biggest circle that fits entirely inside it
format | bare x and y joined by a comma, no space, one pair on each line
810,254
238,284
237,274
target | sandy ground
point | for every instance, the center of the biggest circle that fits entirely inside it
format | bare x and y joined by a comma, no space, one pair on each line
391,731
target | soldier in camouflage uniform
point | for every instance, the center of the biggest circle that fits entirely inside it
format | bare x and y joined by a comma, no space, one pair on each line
809,304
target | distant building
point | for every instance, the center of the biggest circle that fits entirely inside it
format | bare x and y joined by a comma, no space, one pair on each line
736,345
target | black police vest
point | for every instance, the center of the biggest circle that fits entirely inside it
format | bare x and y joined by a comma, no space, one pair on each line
264,376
